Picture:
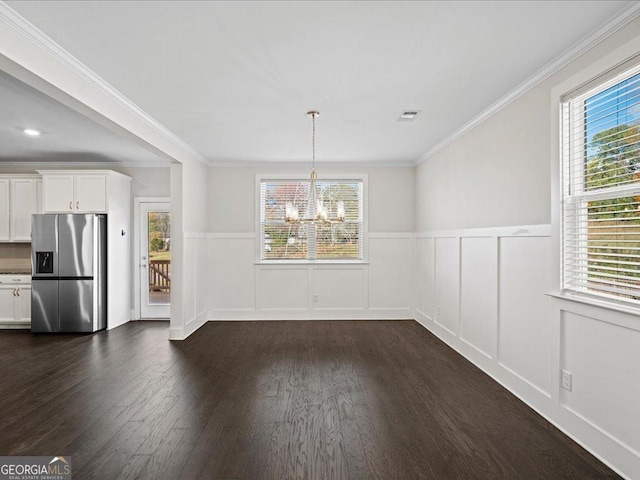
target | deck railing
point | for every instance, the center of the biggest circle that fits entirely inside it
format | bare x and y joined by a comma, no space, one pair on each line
159,275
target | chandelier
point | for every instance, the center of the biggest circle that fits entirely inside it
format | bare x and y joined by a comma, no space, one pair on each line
316,211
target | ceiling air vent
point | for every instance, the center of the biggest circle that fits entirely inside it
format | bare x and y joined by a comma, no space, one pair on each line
408,115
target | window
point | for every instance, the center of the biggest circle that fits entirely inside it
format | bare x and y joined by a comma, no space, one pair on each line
601,190
303,241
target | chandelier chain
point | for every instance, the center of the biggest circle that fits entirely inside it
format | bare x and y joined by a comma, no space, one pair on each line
313,140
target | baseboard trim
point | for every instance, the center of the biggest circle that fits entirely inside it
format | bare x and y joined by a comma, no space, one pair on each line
304,314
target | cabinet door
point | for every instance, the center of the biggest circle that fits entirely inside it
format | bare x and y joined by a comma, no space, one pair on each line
91,194
23,312
7,304
57,193
4,210
22,206
37,191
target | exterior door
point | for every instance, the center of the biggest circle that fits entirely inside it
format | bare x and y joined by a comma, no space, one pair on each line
155,260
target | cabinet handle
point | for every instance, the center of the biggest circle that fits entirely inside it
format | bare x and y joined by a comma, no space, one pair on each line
17,292
77,205
14,292
71,205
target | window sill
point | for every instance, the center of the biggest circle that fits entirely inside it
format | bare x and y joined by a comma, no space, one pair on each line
594,302
311,262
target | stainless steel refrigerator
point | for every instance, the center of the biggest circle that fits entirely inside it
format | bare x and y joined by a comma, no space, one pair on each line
69,273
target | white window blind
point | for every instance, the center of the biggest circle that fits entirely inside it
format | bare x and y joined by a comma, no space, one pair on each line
303,241
601,197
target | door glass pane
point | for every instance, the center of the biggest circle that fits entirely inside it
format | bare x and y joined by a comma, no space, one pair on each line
159,229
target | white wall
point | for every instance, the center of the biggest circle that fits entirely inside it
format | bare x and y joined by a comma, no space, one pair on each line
240,288
189,206
145,182
487,252
119,258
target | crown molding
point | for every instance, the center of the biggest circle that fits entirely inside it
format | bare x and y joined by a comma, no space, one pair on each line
32,34
76,165
584,45
307,164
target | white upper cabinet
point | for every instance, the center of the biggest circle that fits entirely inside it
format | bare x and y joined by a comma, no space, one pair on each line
4,210
38,191
74,192
20,197
57,191
91,193
23,205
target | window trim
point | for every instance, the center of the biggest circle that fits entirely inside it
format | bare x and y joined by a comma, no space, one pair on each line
591,68
605,79
363,177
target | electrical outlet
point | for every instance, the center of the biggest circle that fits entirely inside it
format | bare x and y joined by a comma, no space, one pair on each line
567,380
315,298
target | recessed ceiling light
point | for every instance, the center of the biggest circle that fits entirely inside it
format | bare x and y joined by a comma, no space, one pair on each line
31,132
409,114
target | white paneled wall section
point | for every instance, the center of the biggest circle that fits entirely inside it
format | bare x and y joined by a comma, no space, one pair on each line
243,289
485,292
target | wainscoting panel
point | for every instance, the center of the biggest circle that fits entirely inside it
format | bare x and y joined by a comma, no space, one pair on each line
479,294
232,273
447,282
283,288
525,313
189,280
603,384
390,273
202,273
424,277
339,288
195,288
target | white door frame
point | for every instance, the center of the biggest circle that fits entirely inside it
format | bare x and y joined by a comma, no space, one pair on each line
137,293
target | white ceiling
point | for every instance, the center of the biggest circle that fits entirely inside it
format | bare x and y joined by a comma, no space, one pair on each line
234,79
66,136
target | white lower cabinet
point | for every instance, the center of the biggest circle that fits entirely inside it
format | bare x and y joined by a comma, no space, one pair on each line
7,304
15,305
23,312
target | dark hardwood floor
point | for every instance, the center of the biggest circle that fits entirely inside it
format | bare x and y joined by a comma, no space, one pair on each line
272,400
